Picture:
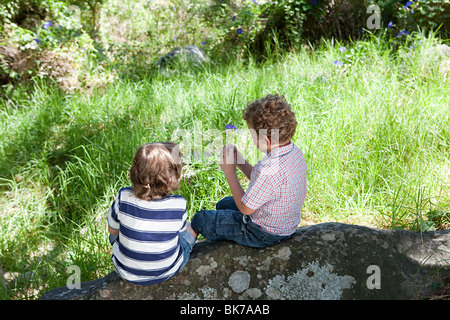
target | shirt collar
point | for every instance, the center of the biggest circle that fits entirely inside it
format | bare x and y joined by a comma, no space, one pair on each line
278,152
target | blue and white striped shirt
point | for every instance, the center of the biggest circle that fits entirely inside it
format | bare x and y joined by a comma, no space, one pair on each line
148,249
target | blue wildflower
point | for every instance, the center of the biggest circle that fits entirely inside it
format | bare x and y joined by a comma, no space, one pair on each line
37,40
47,25
239,31
315,2
234,18
403,32
342,49
338,63
409,3
254,1
390,24
203,43
230,127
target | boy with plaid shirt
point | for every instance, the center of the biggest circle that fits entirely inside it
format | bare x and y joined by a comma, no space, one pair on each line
269,211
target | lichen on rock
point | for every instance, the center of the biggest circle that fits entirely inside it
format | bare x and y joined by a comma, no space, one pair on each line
239,281
284,253
206,270
314,282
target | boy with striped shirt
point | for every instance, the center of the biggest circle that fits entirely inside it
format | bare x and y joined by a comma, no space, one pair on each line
150,235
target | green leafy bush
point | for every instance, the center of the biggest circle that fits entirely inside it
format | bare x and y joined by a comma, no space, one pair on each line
72,43
428,14
254,26
51,45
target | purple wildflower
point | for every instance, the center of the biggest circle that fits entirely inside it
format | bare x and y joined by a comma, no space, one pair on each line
254,1
342,49
409,3
47,25
230,127
403,32
338,63
37,40
239,31
390,24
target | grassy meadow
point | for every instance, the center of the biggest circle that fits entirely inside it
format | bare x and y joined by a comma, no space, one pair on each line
375,132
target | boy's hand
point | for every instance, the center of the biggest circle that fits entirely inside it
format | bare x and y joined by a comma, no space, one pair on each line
228,157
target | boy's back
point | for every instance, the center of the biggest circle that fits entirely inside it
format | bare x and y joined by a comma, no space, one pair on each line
148,249
277,190
151,238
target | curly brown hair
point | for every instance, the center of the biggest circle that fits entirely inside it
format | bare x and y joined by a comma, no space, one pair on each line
156,170
270,113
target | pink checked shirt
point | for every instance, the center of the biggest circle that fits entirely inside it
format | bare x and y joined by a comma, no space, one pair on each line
277,190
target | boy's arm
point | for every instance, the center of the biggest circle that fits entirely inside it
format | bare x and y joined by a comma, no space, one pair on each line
243,164
237,192
229,169
246,168
112,231
112,219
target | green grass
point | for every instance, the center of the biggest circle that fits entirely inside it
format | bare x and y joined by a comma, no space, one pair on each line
375,133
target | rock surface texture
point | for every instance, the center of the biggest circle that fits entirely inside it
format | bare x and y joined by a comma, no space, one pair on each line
324,261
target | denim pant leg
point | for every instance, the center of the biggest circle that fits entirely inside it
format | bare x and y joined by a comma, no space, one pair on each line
227,203
228,224
224,223
112,238
217,225
263,238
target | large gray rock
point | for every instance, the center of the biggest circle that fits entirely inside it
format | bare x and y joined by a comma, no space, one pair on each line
182,58
324,261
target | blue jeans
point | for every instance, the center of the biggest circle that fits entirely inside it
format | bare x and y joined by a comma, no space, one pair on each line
187,242
228,223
